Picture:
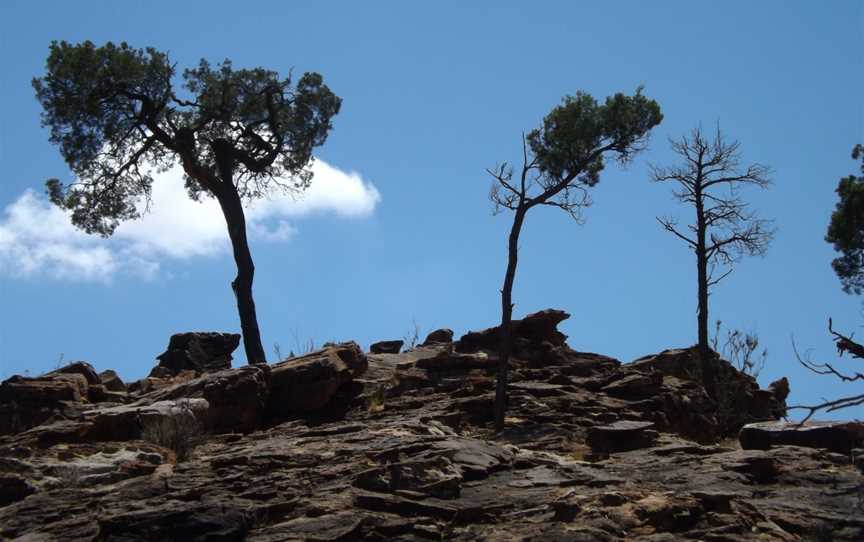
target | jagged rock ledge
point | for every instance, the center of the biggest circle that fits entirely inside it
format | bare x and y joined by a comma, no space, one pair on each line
343,445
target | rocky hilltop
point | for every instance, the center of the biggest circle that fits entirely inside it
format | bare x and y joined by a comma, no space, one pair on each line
339,444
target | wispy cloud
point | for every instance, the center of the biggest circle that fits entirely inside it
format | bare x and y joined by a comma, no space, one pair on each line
38,239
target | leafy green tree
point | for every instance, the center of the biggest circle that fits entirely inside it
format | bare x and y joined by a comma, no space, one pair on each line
846,230
561,160
117,117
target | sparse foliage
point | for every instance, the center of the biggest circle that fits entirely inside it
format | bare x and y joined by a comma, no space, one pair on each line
69,475
238,134
741,349
845,344
560,161
412,339
180,432
300,347
376,401
846,230
724,229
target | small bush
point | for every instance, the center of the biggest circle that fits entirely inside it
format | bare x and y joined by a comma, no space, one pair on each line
181,432
375,402
69,475
740,349
412,339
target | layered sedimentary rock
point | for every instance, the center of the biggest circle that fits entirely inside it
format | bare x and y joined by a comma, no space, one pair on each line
342,445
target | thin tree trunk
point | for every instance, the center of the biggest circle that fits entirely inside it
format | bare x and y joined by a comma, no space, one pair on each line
506,346
709,379
235,218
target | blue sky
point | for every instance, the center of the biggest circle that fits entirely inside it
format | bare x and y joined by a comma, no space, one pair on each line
400,228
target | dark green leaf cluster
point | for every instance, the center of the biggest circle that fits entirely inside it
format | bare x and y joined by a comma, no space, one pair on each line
577,133
115,114
271,127
846,230
87,97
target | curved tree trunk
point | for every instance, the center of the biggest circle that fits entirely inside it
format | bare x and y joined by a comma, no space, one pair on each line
506,318
235,218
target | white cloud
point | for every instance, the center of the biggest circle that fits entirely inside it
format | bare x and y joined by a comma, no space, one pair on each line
38,239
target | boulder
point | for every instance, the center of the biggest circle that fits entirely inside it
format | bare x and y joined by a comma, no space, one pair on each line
635,386
621,436
237,398
439,336
78,367
840,437
25,390
537,328
736,397
201,352
112,381
28,402
307,383
386,347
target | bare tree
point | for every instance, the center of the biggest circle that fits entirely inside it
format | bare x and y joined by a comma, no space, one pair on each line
559,161
724,229
844,344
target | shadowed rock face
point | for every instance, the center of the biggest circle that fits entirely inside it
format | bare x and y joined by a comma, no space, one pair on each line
839,437
398,446
197,351
534,330
386,347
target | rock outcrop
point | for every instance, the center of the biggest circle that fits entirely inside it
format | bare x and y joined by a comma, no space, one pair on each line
839,437
201,352
27,402
386,347
338,445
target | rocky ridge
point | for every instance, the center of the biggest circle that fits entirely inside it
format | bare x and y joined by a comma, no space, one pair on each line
339,444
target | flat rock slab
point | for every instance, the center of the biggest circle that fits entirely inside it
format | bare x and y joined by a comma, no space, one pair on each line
538,389
840,437
386,347
621,436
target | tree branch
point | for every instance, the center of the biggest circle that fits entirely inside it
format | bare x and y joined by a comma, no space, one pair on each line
669,225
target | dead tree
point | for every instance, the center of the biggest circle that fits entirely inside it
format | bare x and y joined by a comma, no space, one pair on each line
724,229
844,344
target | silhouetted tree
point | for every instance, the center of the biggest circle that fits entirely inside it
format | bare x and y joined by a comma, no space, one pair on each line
560,160
723,229
846,233
117,117
846,230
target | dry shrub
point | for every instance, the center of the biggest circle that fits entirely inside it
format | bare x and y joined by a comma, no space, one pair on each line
181,432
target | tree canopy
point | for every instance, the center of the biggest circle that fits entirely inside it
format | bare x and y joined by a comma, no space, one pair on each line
846,229
117,117
562,158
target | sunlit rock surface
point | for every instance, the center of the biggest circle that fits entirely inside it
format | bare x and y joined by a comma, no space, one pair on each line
343,445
